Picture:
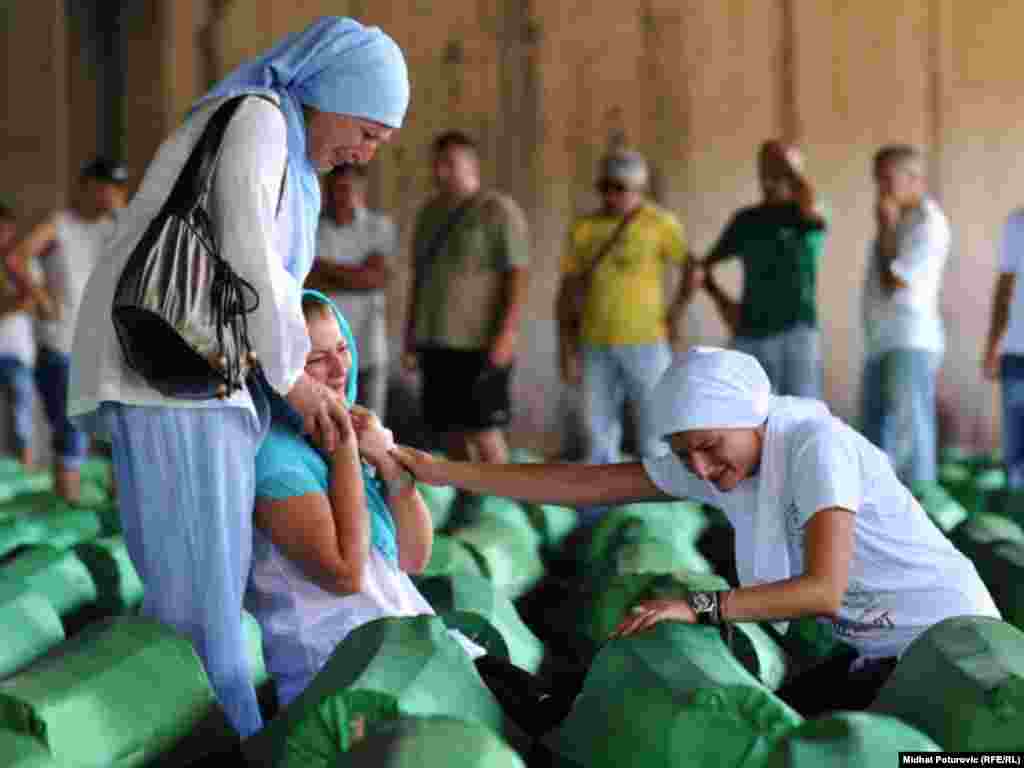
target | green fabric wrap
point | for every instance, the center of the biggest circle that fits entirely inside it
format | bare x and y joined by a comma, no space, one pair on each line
622,720
1001,567
475,607
20,751
69,525
961,682
417,742
449,557
119,693
384,669
509,553
849,740
18,532
29,627
945,511
679,524
118,586
59,575
553,523
439,500
752,646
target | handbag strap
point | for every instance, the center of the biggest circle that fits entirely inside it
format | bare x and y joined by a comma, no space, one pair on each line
608,244
437,242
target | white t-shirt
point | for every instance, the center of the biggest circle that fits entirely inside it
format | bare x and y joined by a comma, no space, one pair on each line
350,245
81,245
909,317
253,236
302,623
905,575
1010,257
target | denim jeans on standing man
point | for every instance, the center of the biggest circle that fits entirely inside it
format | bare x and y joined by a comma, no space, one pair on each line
898,411
1011,373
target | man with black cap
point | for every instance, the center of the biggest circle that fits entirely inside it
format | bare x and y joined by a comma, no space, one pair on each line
616,341
68,245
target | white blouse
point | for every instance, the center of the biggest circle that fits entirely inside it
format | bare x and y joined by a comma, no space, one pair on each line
253,238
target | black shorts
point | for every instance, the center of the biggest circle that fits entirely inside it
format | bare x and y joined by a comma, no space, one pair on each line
462,391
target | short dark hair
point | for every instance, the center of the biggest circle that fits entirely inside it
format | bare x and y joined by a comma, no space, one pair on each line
450,139
899,154
104,170
348,169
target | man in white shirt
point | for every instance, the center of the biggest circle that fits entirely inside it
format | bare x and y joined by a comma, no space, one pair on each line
1004,349
904,335
355,247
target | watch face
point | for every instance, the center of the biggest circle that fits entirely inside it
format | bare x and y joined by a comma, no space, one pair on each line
701,602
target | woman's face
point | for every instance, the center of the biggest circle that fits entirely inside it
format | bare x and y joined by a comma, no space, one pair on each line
330,360
723,457
333,139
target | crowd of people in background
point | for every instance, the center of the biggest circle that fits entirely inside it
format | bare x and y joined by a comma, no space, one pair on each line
333,94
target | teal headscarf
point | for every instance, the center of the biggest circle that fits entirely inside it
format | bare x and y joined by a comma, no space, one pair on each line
382,525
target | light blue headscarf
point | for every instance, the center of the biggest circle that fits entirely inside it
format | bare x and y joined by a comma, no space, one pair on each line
382,525
334,65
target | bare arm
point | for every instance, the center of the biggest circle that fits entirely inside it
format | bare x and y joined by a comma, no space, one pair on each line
997,325
816,592
34,246
727,307
503,348
372,275
570,485
327,535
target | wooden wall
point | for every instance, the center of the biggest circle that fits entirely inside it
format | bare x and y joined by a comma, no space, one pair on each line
696,85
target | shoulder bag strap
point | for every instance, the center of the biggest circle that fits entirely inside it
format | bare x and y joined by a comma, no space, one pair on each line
608,244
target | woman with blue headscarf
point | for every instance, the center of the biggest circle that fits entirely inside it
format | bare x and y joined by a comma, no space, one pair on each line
185,469
336,533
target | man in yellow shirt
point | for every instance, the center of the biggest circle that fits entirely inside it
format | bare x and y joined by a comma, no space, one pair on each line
623,341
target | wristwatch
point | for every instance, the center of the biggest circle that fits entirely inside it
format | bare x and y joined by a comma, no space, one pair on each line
705,605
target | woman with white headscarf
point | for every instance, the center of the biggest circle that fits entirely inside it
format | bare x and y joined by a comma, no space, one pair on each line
823,526
185,469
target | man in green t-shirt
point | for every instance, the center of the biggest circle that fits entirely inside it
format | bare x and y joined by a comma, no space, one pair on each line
470,254
779,242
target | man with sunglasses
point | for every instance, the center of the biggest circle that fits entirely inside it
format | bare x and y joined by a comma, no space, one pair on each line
623,342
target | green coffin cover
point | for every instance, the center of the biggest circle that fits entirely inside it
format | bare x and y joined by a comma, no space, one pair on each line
678,523
69,526
22,531
989,491
945,511
752,645
449,557
553,523
29,627
475,509
253,636
979,534
439,500
20,751
849,740
384,669
670,699
118,694
961,683
58,575
509,554
118,586
97,471
810,641
476,608
1001,567
419,742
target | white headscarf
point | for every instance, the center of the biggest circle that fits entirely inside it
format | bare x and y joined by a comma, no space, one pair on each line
712,388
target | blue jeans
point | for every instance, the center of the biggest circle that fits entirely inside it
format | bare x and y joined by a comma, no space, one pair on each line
1011,372
610,374
898,411
16,381
792,360
70,444
186,481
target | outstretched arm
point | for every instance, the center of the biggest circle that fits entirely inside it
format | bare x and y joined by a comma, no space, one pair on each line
570,485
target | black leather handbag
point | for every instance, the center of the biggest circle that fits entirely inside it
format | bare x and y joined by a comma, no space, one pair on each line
179,309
